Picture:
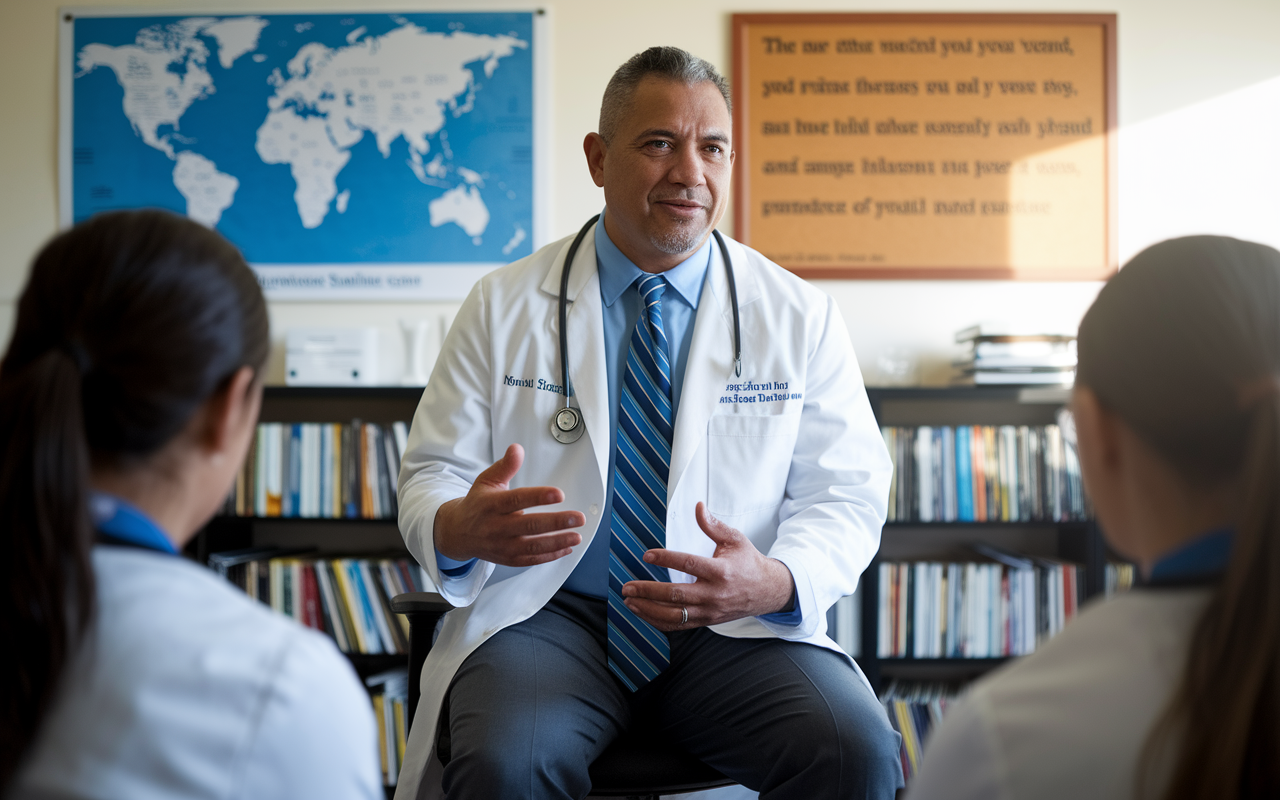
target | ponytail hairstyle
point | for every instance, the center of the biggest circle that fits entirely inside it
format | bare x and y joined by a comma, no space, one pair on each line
1183,344
129,322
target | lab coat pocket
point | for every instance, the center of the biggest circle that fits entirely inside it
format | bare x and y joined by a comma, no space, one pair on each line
750,457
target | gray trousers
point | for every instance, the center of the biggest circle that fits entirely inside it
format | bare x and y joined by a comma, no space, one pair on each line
533,706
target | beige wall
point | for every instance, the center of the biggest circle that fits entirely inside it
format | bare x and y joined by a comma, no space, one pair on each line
1199,90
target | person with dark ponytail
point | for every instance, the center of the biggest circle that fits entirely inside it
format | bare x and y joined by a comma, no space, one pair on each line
128,397
1170,691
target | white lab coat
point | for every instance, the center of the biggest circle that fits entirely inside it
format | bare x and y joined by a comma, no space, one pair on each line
801,469
184,687
1070,720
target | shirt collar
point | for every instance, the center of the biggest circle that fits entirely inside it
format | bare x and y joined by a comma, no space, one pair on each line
1202,560
123,523
617,272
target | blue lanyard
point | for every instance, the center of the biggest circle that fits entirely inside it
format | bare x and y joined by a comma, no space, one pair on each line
1200,561
121,523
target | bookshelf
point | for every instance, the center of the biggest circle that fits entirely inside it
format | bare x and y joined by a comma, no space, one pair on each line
320,537
383,405
903,540
1078,541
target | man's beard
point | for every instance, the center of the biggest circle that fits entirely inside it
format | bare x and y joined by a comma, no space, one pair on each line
680,239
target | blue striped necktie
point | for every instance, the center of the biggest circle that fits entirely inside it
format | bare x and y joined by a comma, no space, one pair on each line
637,650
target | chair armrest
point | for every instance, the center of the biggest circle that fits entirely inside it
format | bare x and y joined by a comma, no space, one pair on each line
420,602
423,610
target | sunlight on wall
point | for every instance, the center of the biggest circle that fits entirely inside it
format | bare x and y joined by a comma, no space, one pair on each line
1212,167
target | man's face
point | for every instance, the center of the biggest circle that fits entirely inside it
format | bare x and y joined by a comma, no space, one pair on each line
666,173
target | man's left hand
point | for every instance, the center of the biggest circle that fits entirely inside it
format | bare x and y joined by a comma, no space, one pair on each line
737,581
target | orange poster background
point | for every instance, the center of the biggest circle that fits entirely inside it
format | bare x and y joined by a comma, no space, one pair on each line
941,146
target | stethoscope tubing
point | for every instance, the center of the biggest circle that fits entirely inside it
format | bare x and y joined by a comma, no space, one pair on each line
572,434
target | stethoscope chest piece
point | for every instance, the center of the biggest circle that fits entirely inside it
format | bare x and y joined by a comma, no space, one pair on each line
567,425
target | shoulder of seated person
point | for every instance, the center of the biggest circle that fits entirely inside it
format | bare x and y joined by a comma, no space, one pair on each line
1134,637
188,605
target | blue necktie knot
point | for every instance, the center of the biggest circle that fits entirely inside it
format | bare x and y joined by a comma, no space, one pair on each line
651,288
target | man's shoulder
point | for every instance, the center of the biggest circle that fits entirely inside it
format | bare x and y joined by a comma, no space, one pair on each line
526,273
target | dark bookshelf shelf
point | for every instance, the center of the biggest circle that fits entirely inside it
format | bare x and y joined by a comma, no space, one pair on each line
890,663
1081,524
367,664
227,519
409,394
1038,395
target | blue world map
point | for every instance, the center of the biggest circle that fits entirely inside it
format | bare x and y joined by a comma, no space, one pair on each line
314,138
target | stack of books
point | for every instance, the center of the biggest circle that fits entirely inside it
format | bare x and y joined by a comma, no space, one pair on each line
390,695
915,709
1002,356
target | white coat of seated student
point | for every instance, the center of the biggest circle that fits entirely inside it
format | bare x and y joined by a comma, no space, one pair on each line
128,397
1170,691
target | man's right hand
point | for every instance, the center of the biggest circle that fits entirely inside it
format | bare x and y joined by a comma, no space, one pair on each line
490,523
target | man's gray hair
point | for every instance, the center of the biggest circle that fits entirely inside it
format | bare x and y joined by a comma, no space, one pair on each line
670,63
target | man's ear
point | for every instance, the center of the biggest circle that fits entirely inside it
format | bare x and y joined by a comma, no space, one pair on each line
226,411
595,149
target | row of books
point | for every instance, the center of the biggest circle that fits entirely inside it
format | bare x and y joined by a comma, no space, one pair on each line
347,598
984,473
845,623
915,709
389,692
973,610
1119,578
314,469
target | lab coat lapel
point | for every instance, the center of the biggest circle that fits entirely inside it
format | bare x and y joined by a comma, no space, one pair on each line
710,364
588,374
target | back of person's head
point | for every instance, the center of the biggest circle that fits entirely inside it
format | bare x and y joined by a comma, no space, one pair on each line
1183,344
129,322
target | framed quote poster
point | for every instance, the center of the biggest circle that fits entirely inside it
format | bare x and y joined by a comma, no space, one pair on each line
927,145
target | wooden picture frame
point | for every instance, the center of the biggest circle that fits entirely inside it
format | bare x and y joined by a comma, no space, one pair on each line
936,146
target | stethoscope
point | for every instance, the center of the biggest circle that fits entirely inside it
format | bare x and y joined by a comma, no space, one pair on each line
567,425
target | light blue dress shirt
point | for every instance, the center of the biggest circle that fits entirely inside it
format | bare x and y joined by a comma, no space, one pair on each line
621,308
620,303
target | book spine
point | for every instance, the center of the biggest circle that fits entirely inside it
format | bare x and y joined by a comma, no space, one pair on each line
350,605
380,718
884,627
393,586
369,466
378,610
322,501
401,430
335,471
391,507
329,606
271,471
924,472
401,731
363,606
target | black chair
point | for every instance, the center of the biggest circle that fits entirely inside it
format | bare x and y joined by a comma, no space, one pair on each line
627,768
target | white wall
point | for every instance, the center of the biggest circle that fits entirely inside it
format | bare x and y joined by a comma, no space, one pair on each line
1199,105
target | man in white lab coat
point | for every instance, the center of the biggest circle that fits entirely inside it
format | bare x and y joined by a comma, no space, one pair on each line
669,571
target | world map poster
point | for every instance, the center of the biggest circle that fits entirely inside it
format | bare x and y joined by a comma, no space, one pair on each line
350,155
